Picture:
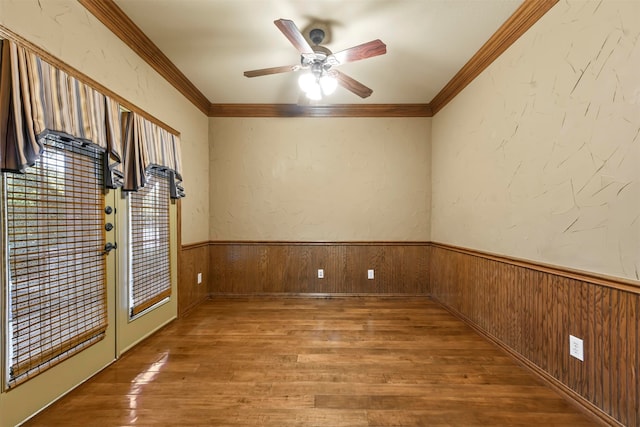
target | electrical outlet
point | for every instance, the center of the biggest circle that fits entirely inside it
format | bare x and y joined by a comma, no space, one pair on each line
320,273
199,278
576,348
370,274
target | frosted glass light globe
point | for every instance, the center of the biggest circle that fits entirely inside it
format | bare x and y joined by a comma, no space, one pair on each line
328,84
306,81
314,92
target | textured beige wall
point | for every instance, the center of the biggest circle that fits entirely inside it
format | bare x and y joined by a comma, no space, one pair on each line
539,157
70,33
312,179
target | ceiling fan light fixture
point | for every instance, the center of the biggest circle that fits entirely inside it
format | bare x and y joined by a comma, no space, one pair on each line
306,81
314,93
315,87
328,84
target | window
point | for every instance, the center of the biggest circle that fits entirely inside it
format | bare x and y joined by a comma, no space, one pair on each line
150,271
54,230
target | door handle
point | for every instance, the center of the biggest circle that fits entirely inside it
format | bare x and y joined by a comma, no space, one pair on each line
109,247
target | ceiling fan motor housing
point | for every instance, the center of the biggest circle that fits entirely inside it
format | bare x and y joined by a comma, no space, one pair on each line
316,35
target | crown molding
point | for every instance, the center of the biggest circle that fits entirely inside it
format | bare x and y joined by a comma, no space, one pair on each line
522,19
108,12
529,12
336,110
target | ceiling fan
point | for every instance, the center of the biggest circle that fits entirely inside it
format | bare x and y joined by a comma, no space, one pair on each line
322,77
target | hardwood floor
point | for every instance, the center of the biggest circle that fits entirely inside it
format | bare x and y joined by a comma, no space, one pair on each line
349,361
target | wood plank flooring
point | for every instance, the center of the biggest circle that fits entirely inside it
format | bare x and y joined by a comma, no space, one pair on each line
353,361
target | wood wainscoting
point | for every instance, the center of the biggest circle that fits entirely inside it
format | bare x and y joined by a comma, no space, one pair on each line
193,259
531,309
250,268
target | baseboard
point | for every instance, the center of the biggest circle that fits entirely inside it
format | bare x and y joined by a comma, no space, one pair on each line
313,295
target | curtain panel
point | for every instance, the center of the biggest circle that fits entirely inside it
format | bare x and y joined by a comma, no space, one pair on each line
38,99
147,146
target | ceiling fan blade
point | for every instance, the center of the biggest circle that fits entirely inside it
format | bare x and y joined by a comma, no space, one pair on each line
351,84
294,35
363,51
272,70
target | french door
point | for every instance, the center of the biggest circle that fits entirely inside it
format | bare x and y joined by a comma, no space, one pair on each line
59,274
69,280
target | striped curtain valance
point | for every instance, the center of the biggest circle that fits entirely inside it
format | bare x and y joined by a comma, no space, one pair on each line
37,99
148,146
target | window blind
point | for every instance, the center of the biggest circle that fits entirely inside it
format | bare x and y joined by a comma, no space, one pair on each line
55,237
150,271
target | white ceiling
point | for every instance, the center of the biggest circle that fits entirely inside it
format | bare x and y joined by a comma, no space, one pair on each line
214,41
